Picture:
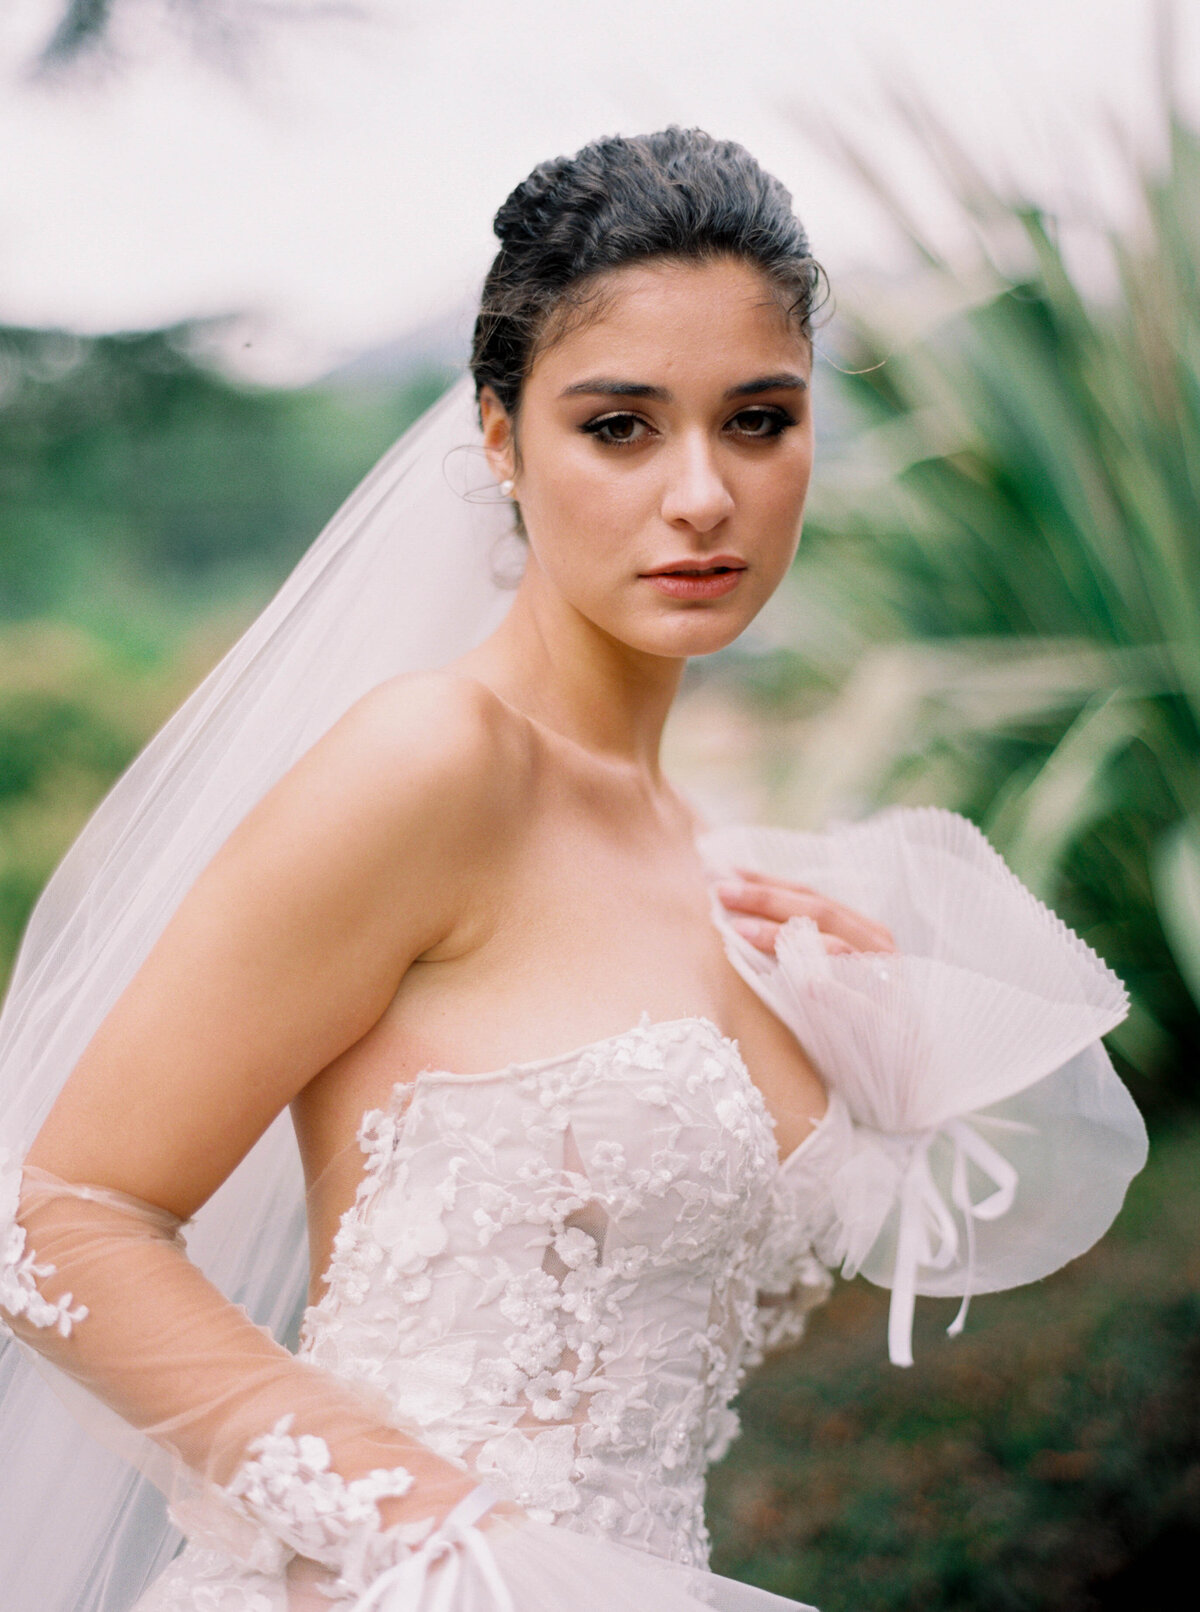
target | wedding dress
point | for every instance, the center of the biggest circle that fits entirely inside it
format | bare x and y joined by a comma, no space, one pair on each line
555,1274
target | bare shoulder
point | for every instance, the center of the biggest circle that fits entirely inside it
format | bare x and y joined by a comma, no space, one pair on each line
438,745
420,782
433,715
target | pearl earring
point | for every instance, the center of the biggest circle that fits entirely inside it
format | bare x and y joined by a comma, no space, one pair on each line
506,487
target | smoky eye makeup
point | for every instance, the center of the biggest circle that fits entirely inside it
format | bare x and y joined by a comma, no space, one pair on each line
775,419
760,423
608,428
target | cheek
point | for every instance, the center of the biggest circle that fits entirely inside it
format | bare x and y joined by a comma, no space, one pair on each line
775,498
575,493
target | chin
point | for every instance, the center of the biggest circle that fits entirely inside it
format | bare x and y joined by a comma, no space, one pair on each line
689,633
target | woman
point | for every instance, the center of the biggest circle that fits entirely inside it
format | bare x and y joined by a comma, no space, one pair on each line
538,1275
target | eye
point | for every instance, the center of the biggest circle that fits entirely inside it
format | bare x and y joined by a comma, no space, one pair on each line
761,422
617,430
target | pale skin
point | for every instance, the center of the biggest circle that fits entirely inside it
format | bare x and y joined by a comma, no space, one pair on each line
486,864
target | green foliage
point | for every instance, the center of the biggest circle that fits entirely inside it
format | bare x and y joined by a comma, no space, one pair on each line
73,713
1011,534
126,465
149,505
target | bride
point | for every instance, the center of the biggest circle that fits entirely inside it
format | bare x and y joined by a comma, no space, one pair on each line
588,1100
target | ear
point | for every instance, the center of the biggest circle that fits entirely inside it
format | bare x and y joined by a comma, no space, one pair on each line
498,441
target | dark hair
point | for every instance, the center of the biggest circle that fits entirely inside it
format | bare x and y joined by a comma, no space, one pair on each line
675,194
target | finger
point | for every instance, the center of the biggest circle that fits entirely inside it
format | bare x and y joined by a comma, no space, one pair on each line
763,935
753,876
768,900
757,893
760,934
861,934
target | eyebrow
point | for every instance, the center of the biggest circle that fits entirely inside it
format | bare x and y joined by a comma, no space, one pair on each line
606,386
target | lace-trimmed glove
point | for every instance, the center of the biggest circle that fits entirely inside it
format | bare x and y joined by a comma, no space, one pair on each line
978,1137
263,1455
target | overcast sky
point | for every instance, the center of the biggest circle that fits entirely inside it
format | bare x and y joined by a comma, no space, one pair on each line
338,186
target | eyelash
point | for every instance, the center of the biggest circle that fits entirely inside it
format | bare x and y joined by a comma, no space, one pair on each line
781,419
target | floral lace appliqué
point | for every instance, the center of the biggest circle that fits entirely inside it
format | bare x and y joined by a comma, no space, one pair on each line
20,1271
288,1485
552,1273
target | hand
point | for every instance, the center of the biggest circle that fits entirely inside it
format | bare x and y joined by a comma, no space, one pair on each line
767,903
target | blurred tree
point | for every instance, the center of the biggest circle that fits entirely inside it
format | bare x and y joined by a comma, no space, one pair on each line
82,25
73,712
128,468
148,506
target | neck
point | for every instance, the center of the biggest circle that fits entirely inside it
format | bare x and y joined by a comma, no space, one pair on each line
561,670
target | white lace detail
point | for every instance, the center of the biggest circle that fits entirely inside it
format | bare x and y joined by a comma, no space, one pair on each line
204,1579
19,1270
799,1243
287,1485
552,1273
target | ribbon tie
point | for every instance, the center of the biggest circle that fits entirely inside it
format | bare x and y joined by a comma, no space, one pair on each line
454,1547
928,1235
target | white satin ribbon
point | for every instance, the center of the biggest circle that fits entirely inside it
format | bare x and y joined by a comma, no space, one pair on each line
928,1234
456,1546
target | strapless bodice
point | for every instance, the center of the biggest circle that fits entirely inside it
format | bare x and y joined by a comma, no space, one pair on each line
552,1273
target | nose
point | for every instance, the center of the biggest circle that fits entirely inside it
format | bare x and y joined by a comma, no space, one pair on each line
695,493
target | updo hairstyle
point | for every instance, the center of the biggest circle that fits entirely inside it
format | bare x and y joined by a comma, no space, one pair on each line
678,194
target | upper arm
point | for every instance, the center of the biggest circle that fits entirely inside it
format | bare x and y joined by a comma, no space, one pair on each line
288,948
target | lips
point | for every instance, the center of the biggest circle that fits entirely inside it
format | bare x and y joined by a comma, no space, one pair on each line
698,567
698,579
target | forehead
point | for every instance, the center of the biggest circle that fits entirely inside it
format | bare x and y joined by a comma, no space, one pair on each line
650,319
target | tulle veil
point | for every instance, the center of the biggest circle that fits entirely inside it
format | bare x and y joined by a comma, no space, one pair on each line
408,574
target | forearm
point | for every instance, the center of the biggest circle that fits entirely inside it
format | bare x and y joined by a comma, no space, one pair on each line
101,1287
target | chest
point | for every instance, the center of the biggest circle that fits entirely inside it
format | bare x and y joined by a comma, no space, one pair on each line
599,915
603,919
598,894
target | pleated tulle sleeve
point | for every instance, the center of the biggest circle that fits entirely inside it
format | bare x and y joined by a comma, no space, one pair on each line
978,1137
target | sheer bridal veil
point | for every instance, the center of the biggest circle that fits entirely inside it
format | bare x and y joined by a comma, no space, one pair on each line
405,576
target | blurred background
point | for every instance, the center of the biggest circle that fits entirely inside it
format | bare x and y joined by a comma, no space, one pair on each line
240,242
